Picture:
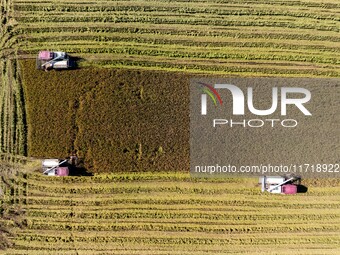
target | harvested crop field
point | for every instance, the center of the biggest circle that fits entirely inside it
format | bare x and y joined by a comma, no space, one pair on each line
281,38
113,119
127,109
163,213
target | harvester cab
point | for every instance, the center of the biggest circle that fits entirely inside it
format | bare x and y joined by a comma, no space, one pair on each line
280,184
47,60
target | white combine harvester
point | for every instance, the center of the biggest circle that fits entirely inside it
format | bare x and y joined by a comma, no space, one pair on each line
48,60
55,167
279,184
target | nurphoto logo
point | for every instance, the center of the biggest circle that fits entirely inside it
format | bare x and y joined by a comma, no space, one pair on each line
283,96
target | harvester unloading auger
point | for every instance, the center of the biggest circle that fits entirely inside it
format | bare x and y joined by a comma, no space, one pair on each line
279,184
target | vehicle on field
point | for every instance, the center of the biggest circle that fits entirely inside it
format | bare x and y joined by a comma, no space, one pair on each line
55,167
280,184
48,60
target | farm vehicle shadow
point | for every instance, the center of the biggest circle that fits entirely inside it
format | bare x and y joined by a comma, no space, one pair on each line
77,168
301,189
78,171
74,62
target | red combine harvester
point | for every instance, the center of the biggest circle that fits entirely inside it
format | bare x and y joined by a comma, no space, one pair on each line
279,184
48,60
55,167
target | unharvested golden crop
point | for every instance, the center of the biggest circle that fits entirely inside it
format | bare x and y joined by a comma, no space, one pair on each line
115,120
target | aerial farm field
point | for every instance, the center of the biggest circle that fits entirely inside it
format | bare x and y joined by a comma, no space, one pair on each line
242,38
268,37
125,113
168,213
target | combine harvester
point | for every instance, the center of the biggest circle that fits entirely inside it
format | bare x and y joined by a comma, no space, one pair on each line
55,167
279,184
48,60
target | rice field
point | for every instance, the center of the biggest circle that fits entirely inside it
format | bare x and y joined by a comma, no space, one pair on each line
244,37
12,109
169,213
238,37
114,120
154,213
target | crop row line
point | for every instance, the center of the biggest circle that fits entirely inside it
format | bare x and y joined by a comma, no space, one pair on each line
181,228
176,215
85,39
193,31
133,177
134,190
166,241
158,10
195,68
313,4
175,20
